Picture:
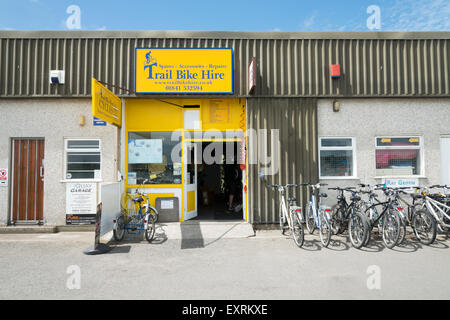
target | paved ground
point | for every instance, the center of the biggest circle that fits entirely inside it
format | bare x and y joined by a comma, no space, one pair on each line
266,266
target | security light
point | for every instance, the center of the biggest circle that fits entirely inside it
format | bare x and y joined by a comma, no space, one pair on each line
56,76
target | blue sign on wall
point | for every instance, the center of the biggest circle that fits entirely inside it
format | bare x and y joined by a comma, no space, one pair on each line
99,122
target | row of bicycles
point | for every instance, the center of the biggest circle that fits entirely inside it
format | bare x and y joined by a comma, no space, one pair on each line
367,209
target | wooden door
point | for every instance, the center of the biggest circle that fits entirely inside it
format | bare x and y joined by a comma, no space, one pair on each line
27,180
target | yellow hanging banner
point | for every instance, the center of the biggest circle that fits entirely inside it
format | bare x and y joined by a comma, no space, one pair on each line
105,104
184,70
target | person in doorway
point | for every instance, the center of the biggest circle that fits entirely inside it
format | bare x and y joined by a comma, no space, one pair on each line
232,182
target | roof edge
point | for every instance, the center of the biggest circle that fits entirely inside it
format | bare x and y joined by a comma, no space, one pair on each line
75,34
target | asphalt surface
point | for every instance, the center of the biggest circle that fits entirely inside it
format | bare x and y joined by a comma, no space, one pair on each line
267,266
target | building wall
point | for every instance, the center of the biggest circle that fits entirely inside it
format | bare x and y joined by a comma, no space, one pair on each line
366,119
294,64
53,120
296,120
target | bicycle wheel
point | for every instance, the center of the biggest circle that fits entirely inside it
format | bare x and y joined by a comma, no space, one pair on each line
402,230
369,227
336,221
325,230
298,231
282,220
153,215
358,227
424,226
310,222
391,229
150,230
119,230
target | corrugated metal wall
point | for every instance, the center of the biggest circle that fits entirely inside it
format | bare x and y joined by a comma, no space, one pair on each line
296,120
286,67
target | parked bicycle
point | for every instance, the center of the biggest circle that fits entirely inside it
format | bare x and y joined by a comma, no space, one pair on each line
349,216
318,216
388,221
136,217
290,214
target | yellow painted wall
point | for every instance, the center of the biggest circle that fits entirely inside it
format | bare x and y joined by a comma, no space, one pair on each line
154,115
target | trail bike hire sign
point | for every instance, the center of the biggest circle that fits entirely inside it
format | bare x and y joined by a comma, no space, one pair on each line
184,70
105,104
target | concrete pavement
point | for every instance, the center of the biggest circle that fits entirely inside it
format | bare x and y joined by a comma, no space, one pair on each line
266,266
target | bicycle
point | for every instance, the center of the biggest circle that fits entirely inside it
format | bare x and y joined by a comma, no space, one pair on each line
349,214
134,222
290,214
389,220
437,205
319,218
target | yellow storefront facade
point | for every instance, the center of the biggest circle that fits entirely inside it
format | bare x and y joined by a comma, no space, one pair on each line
176,129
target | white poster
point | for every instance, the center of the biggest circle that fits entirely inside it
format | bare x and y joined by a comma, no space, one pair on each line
145,151
132,178
166,204
81,198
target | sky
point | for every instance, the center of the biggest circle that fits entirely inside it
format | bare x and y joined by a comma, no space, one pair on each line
227,15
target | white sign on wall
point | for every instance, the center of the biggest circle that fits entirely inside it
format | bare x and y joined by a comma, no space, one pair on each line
81,198
395,183
145,151
3,177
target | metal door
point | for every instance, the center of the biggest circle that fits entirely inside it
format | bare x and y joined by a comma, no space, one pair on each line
445,160
27,205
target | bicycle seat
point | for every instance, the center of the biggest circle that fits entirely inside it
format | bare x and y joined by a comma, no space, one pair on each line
355,198
323,195
416,196
138,199
292,199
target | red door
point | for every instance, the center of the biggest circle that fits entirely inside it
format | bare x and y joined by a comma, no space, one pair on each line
27,181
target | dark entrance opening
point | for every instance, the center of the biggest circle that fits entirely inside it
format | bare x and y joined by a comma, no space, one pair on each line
219,182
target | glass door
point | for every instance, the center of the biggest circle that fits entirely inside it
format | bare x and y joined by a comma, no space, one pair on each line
190,180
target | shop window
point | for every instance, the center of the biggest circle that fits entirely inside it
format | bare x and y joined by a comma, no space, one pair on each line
153,156
398,156
337,157
83,159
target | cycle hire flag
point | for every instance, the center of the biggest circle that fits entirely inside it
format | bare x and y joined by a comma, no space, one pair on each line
105,104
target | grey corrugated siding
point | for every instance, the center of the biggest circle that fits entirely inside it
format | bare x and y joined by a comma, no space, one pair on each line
296,118
383,65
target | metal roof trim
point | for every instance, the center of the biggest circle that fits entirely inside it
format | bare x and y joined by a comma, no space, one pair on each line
171,34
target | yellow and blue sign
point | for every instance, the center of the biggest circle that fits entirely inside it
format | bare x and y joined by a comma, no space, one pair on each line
184,70
105,104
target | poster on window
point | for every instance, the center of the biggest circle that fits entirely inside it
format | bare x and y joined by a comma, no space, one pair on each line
81,203
145,151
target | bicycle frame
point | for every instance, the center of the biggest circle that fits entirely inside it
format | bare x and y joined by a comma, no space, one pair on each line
284,211
431,205
313,206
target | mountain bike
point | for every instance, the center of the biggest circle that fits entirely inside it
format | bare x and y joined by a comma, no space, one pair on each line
350,215
438,205
319,216
290,214
389,220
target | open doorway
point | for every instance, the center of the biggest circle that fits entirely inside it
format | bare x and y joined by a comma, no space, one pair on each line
219,187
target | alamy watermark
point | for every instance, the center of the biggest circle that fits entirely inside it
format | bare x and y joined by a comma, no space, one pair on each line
263,148
373,281
74,279
374,20
73,22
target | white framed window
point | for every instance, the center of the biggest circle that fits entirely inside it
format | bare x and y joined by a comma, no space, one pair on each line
82,159
337,157
399,156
